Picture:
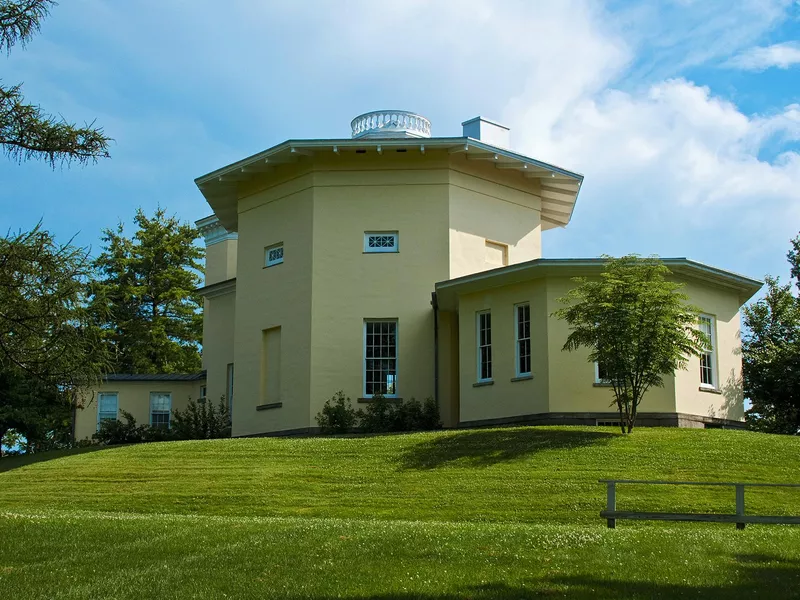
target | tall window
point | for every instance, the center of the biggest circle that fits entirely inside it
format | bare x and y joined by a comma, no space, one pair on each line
107,404
160,407
523,327
380,358
484,346
273,255
708,358
381,241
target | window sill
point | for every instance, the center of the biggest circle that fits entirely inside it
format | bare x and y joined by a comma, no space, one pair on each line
384,252
602,384
270,266
709,390
269,406
482,383
521,378
390,399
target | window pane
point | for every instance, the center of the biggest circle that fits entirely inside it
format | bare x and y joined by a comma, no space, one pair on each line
380,364
484,345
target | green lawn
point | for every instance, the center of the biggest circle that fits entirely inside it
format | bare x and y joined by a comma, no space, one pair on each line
493,513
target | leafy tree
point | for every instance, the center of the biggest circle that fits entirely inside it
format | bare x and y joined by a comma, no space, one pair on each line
49,350
26,131
771,355
635,323
144,296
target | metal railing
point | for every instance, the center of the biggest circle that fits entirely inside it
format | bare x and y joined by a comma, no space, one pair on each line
611,514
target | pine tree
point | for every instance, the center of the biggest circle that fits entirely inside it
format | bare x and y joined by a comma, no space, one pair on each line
27,131
144,296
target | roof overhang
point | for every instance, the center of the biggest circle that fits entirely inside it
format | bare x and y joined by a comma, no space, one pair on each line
559,187
447,292
220,288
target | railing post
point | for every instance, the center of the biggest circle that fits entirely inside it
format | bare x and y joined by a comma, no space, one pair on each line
611,503
740,505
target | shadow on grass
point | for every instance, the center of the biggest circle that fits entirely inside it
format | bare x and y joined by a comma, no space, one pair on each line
758,577
8,463
486,447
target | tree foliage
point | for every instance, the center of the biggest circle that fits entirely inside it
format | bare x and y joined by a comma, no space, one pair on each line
771,354
26,130
144,296
49,349
636,324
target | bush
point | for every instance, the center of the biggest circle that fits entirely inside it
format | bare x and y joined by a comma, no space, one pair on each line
383,415
201,421
380,416
116,431
337,415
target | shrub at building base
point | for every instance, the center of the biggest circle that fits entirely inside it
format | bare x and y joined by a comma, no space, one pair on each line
337,415
381,415
200,421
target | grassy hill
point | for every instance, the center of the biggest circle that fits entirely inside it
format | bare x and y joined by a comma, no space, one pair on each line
494,513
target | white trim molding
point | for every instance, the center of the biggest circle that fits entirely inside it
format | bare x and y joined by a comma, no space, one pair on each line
213,232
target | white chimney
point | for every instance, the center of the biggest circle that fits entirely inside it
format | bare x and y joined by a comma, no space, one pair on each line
487,131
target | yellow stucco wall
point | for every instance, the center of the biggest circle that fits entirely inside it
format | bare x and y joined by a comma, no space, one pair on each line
134,397
218,341
504,397
572,376
491,204
276,296
729,404
563,382
376,194
220,261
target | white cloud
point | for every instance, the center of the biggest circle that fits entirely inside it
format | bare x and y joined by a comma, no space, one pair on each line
760,58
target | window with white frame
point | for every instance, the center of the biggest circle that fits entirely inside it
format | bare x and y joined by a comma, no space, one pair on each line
522,315
380,357
273,255
203,391
160,408
601,374
484,346
708,376
107,405
381,241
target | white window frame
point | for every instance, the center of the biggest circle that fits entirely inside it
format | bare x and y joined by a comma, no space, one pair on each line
169,410
382,250
276,261
597,375
396,356
710,352
99,412
479,347
518,339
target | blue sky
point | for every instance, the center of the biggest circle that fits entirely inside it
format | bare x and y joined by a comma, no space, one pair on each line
683,115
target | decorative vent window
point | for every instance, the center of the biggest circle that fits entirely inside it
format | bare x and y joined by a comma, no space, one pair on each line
485,346
160,408
708,358
274,255
107,404
523,326
381,241
380,358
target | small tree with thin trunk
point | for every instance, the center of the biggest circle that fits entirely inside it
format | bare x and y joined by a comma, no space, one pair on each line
636,324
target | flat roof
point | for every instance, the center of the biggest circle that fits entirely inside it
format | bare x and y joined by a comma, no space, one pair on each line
155,376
